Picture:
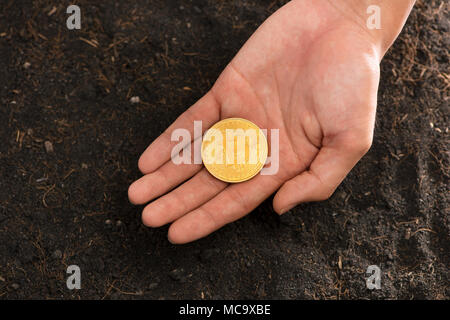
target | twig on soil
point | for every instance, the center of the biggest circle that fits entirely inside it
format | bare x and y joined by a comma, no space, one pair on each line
69,173
422,229
92,43
46,193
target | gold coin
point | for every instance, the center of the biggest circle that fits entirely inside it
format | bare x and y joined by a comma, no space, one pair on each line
234,150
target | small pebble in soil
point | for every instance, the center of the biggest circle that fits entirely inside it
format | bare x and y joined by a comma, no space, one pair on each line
48,147
119,223
57,254
153,285
15,286
178,275
108,222
135,99
26,65
139,292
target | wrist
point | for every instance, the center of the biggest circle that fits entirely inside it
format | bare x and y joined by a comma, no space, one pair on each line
390,14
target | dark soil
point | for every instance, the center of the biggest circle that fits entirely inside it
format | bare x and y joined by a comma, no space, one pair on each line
69,206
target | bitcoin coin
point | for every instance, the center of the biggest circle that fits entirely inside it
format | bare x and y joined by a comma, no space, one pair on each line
234,150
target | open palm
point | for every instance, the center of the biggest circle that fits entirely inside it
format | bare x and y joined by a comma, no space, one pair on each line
309,71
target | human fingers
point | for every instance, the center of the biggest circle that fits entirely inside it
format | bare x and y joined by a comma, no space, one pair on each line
232,203
190,195
162,180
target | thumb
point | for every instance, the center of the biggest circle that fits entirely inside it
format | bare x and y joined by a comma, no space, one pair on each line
331,165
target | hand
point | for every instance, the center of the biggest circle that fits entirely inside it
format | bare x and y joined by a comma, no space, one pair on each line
310,71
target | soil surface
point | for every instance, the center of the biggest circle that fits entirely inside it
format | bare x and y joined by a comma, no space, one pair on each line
71,139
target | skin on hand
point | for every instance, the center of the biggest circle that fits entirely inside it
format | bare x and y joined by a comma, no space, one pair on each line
310,71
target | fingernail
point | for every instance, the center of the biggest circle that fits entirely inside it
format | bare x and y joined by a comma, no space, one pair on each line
283,211
168,239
